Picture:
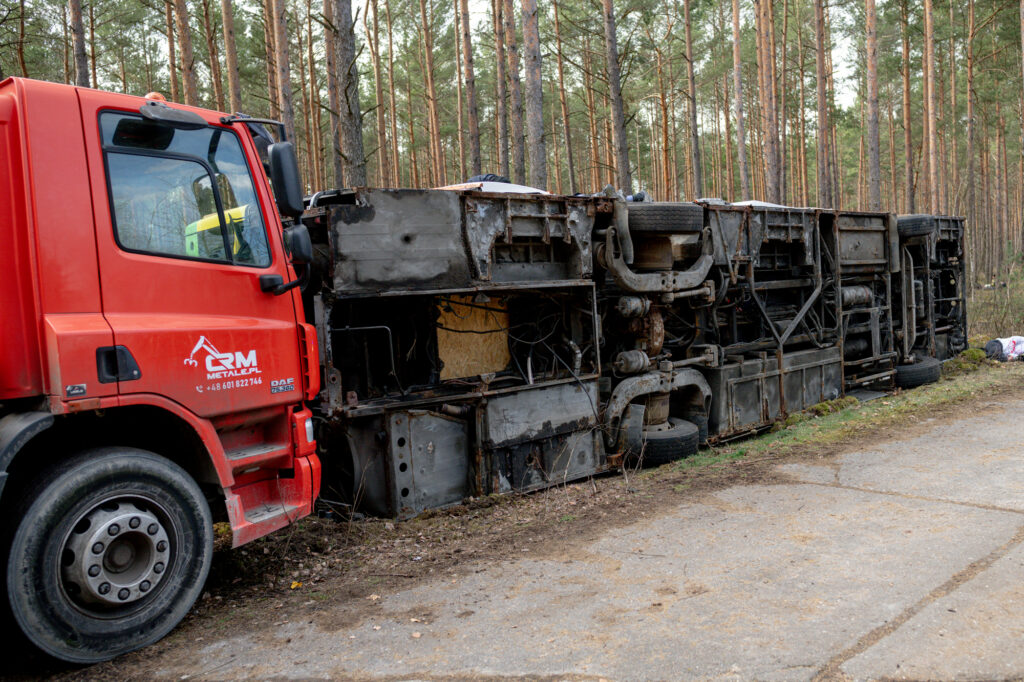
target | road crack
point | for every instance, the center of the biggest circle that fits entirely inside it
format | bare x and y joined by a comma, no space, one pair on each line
830,671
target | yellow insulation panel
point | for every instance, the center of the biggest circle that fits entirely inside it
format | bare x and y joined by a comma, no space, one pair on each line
472,336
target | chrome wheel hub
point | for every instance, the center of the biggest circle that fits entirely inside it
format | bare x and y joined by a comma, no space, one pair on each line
116,554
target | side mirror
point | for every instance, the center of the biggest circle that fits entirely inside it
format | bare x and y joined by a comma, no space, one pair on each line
284,175
298,244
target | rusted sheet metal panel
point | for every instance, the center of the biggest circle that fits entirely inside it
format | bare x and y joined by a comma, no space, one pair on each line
385,240
863,242
515,238
745,395
390,239
739,231
534,414
429,460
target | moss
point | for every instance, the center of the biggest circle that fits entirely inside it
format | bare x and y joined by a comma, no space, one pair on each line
832,406
968,361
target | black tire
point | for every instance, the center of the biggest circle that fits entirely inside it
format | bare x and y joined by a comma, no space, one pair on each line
916,225
702,427
926,371
665,217
489,177
111,550
676,442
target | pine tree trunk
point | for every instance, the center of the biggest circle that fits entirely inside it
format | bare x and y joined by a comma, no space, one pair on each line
624,178
284,73
92,45
350,117
563,103
305,97
383,160
1021,159
21,38
461,123
874,168
331,54
908,148
805,181
512,52
172,61
395,167
436,155
534,97
188,60
64,44
501,94
698,176
588,88
270,46
472,114
824,183
231,56
210,33
78,42
933,105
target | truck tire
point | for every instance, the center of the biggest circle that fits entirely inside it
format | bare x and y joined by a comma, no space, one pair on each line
926,371
701,420
111,550
665,217
679,440
916,225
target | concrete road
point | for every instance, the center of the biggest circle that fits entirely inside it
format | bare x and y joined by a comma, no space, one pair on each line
905,561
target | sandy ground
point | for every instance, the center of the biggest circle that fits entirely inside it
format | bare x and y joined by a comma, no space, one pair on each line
896,556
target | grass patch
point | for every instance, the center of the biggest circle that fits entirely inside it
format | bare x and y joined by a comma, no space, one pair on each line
837,420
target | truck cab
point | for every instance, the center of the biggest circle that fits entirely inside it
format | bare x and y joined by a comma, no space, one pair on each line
155,359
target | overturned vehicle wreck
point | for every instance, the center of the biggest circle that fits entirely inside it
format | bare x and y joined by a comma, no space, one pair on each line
477,341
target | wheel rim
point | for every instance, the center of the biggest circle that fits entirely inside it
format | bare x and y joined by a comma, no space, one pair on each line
116,555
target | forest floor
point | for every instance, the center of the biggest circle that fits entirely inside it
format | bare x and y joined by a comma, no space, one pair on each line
835,546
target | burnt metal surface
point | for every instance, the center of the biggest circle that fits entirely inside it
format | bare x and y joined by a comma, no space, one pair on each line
578,333
397,239
750,393
865,249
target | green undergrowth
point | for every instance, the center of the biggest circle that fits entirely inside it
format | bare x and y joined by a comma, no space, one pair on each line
837,420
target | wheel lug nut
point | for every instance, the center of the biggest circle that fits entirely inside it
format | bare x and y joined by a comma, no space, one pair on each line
104,588
161,546
134,523
94,570
114,529
158,567
152,529
124,593
144,586
97,548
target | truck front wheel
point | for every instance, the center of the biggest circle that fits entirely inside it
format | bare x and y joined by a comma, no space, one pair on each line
111,550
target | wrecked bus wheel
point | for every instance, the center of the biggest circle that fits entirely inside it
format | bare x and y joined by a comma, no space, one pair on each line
915,225
675,439
925,371
667,217
111,551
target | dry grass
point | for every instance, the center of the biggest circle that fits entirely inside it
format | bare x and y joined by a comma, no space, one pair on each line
998,312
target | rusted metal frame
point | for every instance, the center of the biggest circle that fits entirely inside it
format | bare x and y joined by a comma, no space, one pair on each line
383,405
655,282
730,256
662,381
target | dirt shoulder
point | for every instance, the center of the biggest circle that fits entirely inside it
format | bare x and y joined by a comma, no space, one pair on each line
326,571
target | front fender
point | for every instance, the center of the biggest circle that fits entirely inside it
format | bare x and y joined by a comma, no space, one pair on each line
16,430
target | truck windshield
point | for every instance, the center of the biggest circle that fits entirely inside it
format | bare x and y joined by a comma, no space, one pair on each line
182,193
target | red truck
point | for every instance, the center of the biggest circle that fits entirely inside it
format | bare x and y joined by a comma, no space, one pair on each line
155,359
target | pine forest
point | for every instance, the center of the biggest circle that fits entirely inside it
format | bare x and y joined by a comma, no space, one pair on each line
909,106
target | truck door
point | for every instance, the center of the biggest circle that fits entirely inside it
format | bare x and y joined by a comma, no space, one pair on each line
185,226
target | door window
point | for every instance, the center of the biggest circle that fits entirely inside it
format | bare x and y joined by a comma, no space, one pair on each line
182,193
